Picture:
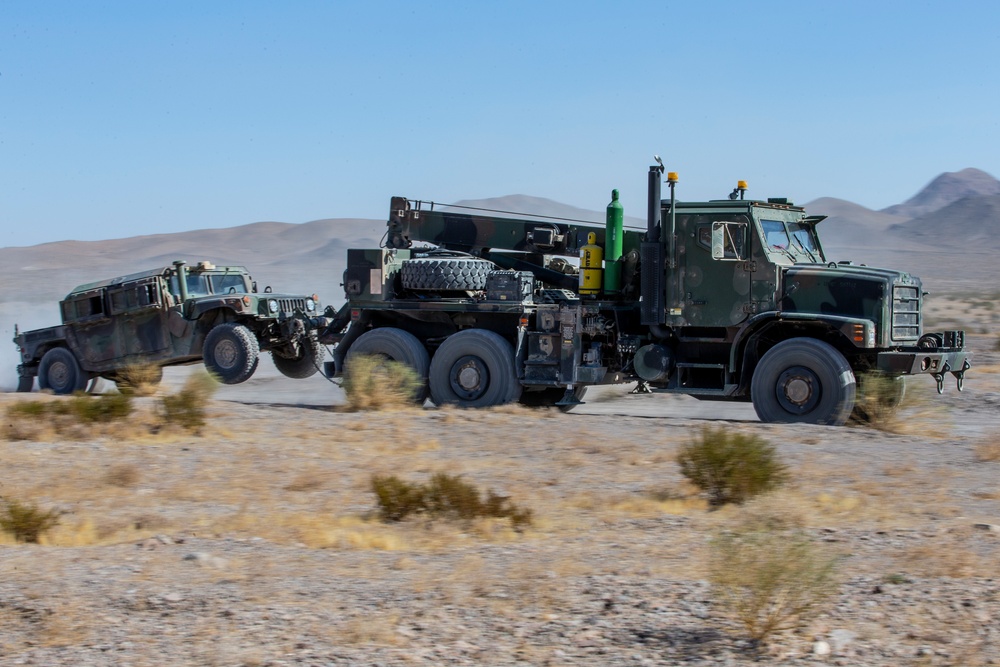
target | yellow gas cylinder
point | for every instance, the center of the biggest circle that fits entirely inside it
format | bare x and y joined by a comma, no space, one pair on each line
591,260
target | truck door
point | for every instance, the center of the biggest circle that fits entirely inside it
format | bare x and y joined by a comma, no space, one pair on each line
140,317
713,288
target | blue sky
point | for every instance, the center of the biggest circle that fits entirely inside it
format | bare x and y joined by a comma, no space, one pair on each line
127,118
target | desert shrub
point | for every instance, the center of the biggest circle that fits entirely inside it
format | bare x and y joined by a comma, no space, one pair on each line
186,407
446,496
25,521
769,577
731,467
375,383
139,379
100,409
878,401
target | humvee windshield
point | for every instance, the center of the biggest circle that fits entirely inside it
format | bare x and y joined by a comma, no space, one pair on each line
203,284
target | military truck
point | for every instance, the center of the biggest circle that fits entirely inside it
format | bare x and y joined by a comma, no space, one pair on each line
731,299
170,316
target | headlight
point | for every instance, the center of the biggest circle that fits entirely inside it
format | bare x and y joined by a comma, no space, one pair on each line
310,305
272,305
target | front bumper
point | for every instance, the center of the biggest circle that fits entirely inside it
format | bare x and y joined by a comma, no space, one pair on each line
937,360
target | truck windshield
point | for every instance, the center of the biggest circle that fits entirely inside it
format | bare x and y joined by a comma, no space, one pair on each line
791,239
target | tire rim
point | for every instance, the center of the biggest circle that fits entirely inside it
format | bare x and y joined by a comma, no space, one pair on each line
226,354
59,375
798,390
470,378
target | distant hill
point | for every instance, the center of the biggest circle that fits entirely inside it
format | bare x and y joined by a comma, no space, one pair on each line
957,211
947,188
972,222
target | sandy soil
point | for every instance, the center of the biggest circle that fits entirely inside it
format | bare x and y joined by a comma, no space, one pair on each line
257,542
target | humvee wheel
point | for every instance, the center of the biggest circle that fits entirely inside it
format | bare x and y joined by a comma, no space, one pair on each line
303,366
475,369
60,372
803,380
394,345
231,352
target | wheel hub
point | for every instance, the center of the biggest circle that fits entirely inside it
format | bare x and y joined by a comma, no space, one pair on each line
226,354
469,378
798,390
59,374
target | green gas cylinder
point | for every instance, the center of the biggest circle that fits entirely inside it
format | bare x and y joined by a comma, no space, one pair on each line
613,245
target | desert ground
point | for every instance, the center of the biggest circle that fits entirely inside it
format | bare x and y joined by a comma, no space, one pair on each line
257,541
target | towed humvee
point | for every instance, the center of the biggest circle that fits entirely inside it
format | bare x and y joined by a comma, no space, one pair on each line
170,316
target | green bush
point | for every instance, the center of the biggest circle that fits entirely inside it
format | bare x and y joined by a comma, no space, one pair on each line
446,496
372,382
25,521
731,467
186,407
103,409
769,578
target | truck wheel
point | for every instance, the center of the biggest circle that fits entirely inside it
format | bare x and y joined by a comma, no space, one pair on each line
445,275
303,366
231,352
60,372
803,380
395,345
474,369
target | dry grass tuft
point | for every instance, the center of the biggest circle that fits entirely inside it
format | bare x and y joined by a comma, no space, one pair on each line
71,417
446,496
879,400
768,575
139,379
25,521
186,408
375,383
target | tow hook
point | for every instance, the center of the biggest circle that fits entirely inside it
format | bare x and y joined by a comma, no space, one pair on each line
960,375
940,377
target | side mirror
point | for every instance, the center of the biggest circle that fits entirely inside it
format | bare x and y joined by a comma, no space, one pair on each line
729,241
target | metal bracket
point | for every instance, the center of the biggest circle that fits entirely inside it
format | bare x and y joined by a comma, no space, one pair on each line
960,375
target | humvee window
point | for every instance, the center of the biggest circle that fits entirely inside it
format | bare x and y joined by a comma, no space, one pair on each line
226,283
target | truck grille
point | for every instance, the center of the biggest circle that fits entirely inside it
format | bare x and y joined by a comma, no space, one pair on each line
291,305
905,312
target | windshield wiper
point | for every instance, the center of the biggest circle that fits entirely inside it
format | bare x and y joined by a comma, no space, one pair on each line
806,250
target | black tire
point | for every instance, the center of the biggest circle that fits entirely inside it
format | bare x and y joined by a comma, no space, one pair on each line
231,352
303,366
803,380
60,372
474,369
446,275
25,384
395,345
548,397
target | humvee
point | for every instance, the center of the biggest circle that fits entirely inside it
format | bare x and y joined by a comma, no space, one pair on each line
170,316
